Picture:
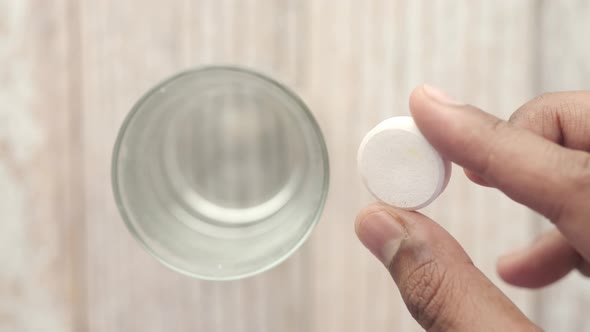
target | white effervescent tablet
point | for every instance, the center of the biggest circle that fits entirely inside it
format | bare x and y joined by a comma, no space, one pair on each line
400,167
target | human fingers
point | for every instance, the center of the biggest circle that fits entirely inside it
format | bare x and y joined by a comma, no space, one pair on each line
441,287
530,169
546,260
561,117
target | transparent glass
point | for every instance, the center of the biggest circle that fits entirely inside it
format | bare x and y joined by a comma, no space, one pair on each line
220,172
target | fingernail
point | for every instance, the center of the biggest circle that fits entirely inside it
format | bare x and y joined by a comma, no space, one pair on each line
440,96
382,234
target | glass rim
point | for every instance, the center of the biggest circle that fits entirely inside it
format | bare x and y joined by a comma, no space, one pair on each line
135,110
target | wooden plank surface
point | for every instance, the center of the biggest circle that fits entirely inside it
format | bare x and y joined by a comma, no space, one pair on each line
564,66
39,280
76,68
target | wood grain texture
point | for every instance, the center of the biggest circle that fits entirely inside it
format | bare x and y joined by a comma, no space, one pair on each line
39,278
563,65
77,67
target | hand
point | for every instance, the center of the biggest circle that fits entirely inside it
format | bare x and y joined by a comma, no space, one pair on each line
538,158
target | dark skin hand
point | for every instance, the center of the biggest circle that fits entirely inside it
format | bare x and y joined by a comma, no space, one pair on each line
539,158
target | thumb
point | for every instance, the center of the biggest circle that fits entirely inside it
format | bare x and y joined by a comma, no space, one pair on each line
441,287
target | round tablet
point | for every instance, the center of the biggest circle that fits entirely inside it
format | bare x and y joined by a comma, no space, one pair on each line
400,167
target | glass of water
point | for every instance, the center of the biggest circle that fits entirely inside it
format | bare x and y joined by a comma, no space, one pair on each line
220,172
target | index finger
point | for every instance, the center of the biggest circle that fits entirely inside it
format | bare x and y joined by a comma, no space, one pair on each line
531,170
561,117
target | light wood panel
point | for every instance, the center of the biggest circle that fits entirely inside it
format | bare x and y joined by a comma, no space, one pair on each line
39,276
563,65
76,68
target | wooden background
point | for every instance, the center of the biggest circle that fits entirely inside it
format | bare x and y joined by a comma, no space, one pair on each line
70,70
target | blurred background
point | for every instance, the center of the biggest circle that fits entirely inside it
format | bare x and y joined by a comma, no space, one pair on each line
72,69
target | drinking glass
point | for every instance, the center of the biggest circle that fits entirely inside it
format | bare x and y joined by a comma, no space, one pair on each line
220,172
